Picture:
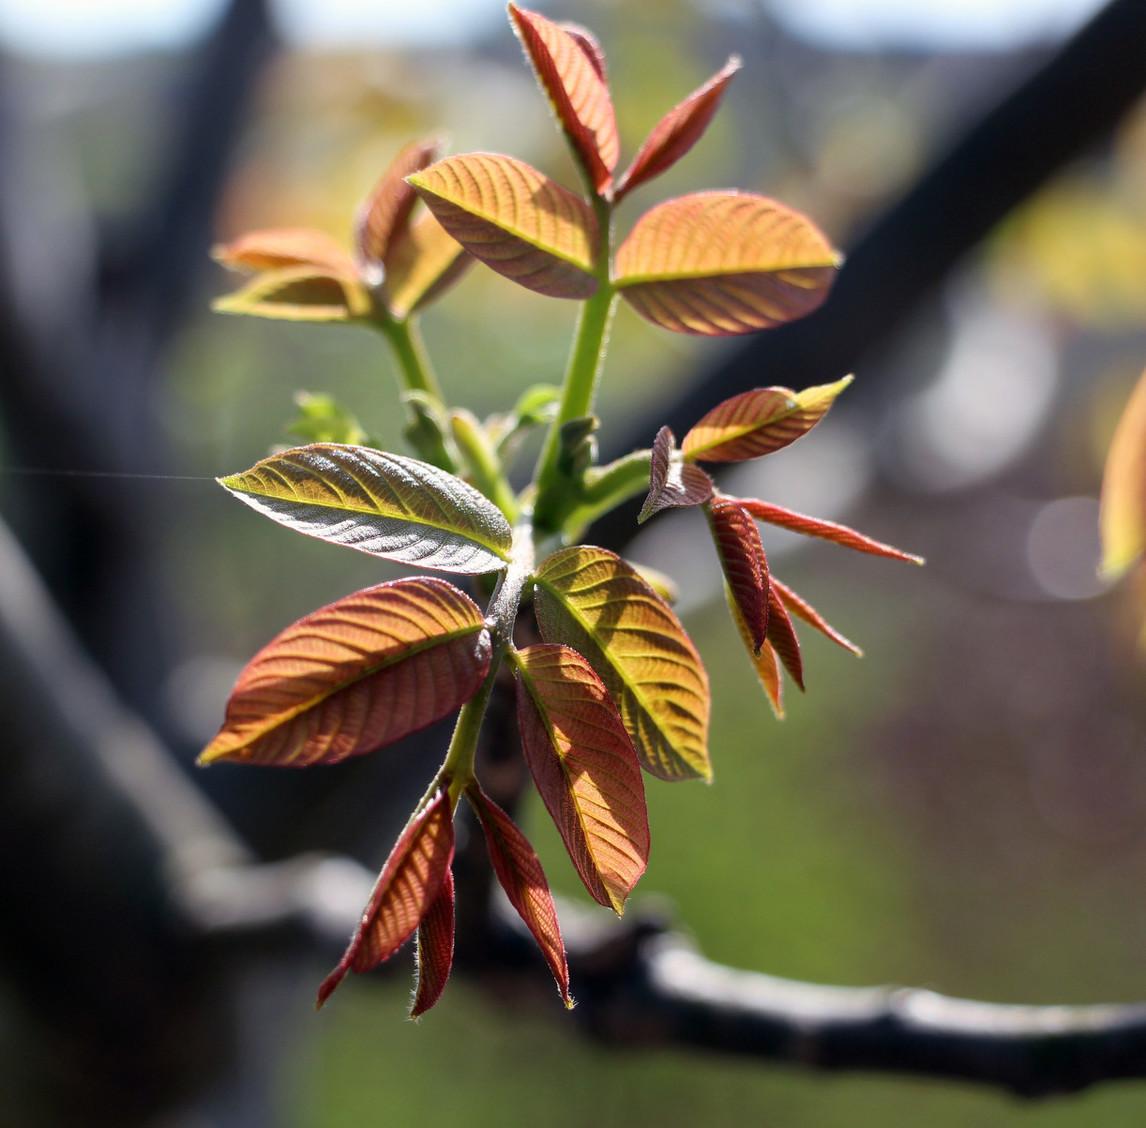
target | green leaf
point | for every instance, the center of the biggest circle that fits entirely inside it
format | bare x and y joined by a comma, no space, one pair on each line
322,419
591,600
383,504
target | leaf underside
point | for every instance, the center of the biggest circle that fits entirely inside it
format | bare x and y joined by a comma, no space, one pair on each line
764,661
591,600
782,636
672,481
1123,512
298,293
585,769
359,673
386,211
382,504
744,564
435,949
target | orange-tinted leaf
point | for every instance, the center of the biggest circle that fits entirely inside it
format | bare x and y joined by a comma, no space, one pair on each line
521,876
435,949
722,263
1123,514
672,481
744,563
423,262
677,131
570,68
355,675
782,636
591,600
828,530
406,889
585,768
764,661
516,220
298,293
385,213
804,610
587,41
662,583
280,247
759,422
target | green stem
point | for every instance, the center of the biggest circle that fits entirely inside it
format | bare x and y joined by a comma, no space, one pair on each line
482,462
413,360
458,767
607,487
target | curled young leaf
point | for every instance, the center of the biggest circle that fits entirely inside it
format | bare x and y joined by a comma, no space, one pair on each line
764,660
723,263
744,564
385,213
278,248
403,894
801,608
383,504
827,530
435,949
355,675
520,874
677,131
782,636
585,769
759,422
1123,513
672,481
591,600
570,69
298,293
516,220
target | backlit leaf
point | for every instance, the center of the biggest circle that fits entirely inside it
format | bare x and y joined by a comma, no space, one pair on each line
322,419
279,247
828,530
435,949
520,874
723,263
406,889
591,600
386,211
759,422
587,41
1123,513
423,262
585,768
677,131
744,564
516,220
355,675
764,661
672,481
298,293
570,68
383,504
782,636
662,583
804,610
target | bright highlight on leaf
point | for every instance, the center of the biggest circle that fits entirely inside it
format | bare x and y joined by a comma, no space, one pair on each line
435,949
359,673
516,220
298,293
404,893
383,504
1123,515
764,660
672,481
280,247
585,769
723,263
570,68
520,874
759,422
677,131
591,600
744,564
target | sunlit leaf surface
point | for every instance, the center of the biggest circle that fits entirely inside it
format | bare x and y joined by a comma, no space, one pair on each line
423,262
278,247
386,211
802,609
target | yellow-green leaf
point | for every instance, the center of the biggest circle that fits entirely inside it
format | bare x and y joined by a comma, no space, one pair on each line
591,600
383,504
1123,514
516,220
724,263
759,422
423,262
299,293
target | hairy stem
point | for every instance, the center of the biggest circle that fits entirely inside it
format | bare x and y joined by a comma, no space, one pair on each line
606,487
482,462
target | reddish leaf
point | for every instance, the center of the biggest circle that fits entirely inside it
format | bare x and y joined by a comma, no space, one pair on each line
764,661
516,220
759,422
677,131
782,636
570,68
672,481
422,263
804,610
745,566
356,674
723,263
385,213
435,949
298,293
585,768
521,876
279,247
403,894
587,41
828,530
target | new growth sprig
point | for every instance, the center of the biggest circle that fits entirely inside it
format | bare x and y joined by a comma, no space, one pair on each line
616,685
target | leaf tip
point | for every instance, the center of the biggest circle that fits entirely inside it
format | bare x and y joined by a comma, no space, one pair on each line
327,986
